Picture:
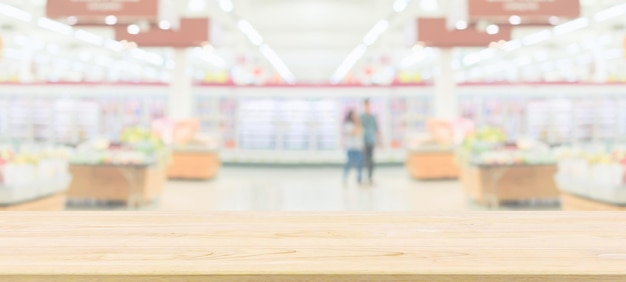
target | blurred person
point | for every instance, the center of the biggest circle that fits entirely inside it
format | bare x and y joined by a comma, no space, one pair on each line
353,143
371,139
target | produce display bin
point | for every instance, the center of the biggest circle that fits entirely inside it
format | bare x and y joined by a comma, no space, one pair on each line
45,194
494,184
193,164
430,164
571,202
133,184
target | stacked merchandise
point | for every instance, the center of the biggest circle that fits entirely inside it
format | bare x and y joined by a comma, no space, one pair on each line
132,171
138,147
494,171
194,155
431,155
489,146
594,172
30,172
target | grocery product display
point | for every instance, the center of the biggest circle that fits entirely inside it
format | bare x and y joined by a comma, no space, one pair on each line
133,171
431,155
32,172
594,172
580,115
494,171
194,155
72,119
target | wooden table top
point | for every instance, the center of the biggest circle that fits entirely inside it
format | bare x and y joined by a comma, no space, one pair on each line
140,246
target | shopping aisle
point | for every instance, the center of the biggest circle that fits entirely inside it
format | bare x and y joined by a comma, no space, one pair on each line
310,189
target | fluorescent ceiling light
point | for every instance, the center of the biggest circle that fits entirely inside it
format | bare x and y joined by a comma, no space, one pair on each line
541,56
196,5
15,13
522,61
165,25
610,13
492,29
114,45
89,37
133,29
55,26
461,25
515,20
512,45
154,59
429,5
226,5
537,37
573,48
584,59
103,61
14,54
554,20
53,48
373,35
250,32
571,26
110,20
278,64
214,60
71,20
477,57
614,54
348,63
400,5
416,58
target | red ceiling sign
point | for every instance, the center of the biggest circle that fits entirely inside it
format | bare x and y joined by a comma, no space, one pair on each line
485,9
434,33
89,10
192,33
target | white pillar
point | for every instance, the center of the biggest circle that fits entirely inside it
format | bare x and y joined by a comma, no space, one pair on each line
25,74
181,87
600,72
446,100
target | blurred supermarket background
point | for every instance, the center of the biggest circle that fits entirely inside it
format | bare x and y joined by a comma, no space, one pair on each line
240,104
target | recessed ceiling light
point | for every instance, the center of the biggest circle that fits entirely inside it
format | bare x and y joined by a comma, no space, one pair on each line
133,29
515,20
493,29
461,25
165,25
554,20
71,20
110,20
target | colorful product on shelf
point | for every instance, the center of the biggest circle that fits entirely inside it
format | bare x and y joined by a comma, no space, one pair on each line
488,147
139,147
594,172
31,172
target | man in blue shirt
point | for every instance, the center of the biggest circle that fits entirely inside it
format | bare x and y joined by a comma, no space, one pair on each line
371,138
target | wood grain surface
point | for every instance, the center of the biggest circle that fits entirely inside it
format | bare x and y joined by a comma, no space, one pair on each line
54,202
571,202
136,246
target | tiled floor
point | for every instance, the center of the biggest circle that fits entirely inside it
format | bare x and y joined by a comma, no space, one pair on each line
311,189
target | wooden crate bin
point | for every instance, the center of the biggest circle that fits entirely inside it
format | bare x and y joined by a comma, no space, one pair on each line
193,165
513,183
429,165
111,183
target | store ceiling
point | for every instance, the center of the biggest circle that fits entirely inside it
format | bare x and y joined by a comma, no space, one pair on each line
313,38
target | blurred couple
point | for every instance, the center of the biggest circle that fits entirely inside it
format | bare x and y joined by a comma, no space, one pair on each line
361,135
